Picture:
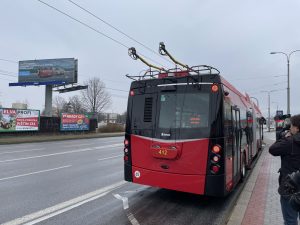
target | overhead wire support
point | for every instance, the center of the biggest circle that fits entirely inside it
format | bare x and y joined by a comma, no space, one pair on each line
90,27
118,30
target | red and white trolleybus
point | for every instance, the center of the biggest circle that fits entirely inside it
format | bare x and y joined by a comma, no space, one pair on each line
190,130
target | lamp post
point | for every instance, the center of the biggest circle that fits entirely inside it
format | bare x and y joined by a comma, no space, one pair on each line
256,101
269,117
288,56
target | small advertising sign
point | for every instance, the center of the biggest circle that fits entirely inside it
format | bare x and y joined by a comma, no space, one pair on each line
72,122
279,113
14,120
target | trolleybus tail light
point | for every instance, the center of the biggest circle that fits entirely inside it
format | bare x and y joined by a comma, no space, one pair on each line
126,142
215,168
125,158
131,93
126,150
216,159
216,149
214,88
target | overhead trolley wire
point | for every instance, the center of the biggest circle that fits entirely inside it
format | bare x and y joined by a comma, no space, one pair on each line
8,73
92,28
7,60
115,28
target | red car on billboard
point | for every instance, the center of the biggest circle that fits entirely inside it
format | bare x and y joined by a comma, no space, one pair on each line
49,72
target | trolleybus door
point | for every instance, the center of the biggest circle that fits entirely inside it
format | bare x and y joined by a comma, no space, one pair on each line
236,147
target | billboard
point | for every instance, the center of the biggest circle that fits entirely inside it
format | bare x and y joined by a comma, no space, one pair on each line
70,122
14,120
48,70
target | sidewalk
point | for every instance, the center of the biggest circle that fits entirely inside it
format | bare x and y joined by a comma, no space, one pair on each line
259,203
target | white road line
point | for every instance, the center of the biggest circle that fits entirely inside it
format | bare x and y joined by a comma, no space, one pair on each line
41,171
18,146
94,143
65,209
70,146
130,216
132,219
64,206
116,156
123,199
62,153
31,150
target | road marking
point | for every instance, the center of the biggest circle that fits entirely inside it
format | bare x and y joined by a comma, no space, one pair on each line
41,171
31,150
65,209
64,206
124,199
14,146
130,216
63,153
132,219
94,143
110,157
70,146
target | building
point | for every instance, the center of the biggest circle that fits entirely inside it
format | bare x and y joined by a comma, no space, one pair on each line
19,105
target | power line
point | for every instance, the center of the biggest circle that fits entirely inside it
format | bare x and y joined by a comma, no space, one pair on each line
119,96
92,28
8,75
254,77
259,92
1,78
8,72
8,60
115,28
114,89
264,87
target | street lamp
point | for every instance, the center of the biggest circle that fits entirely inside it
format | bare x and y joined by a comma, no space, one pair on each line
256,101
269,106
288,56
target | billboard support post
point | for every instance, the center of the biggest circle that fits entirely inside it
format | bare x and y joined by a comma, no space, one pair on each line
48,100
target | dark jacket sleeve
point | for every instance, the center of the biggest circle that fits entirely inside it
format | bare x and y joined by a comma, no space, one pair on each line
281,147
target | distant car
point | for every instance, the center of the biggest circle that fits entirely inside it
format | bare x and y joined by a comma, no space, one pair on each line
43,73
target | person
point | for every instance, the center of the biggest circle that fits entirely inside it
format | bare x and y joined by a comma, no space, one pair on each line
288,148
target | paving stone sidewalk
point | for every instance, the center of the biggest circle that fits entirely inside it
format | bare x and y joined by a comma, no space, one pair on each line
259,202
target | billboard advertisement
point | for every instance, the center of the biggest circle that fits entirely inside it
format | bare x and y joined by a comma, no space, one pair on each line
14,120
48,70
71,122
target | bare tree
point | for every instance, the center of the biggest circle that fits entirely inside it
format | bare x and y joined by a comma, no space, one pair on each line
76,105
95,98
59,104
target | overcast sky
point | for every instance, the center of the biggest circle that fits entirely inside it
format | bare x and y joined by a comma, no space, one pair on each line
234,36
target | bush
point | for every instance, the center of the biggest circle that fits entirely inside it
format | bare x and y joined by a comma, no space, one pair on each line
110,128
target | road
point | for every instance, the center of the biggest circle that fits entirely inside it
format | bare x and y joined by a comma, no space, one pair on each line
81,182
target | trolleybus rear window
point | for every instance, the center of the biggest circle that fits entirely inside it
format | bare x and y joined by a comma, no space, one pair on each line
184,110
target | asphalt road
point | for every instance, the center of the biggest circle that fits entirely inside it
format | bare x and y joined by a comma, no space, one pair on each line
81,182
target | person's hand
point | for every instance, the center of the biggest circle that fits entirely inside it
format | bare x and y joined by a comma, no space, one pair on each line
288,134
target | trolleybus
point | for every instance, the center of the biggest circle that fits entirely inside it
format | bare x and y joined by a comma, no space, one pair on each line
189,130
